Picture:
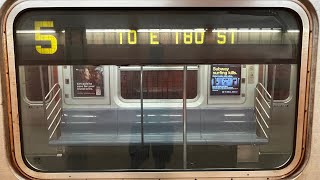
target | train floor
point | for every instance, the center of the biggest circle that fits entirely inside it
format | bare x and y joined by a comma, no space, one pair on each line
151,158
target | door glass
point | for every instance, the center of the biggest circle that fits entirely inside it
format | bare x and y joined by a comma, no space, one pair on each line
282,83
137,124
162,126
32,82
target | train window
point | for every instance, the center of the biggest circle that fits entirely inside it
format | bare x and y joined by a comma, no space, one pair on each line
282,82
212,56
158,83
32,82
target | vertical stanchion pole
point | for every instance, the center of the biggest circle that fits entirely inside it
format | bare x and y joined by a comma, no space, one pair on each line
43,95
185,117
141,104
274,67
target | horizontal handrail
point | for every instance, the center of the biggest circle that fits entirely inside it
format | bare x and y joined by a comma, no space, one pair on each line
263,108
264,121
267,110
55,95
160,68
51,90
54,119
58,104
54,108
264,132
55,128
263,97
266,91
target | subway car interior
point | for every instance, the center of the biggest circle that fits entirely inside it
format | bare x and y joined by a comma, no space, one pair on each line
157,90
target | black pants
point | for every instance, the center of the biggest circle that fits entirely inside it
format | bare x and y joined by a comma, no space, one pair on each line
140,153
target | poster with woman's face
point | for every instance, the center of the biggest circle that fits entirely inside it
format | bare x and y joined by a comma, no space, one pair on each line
88,81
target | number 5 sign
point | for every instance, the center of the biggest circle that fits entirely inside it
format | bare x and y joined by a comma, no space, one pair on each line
40,37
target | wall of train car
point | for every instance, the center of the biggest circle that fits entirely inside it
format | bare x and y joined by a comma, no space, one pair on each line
309,171
6,166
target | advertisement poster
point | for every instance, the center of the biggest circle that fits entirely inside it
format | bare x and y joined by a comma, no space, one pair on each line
88,81
225,79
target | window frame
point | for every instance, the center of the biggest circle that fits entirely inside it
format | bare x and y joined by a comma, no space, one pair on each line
303,91
291,88
24,87
147,68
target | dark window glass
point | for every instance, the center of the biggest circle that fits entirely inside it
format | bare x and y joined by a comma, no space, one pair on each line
134,37
282,81
242,131
161,84
33,83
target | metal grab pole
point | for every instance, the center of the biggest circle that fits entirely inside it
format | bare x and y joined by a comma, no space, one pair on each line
141,104
185,117
43,94
272,90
